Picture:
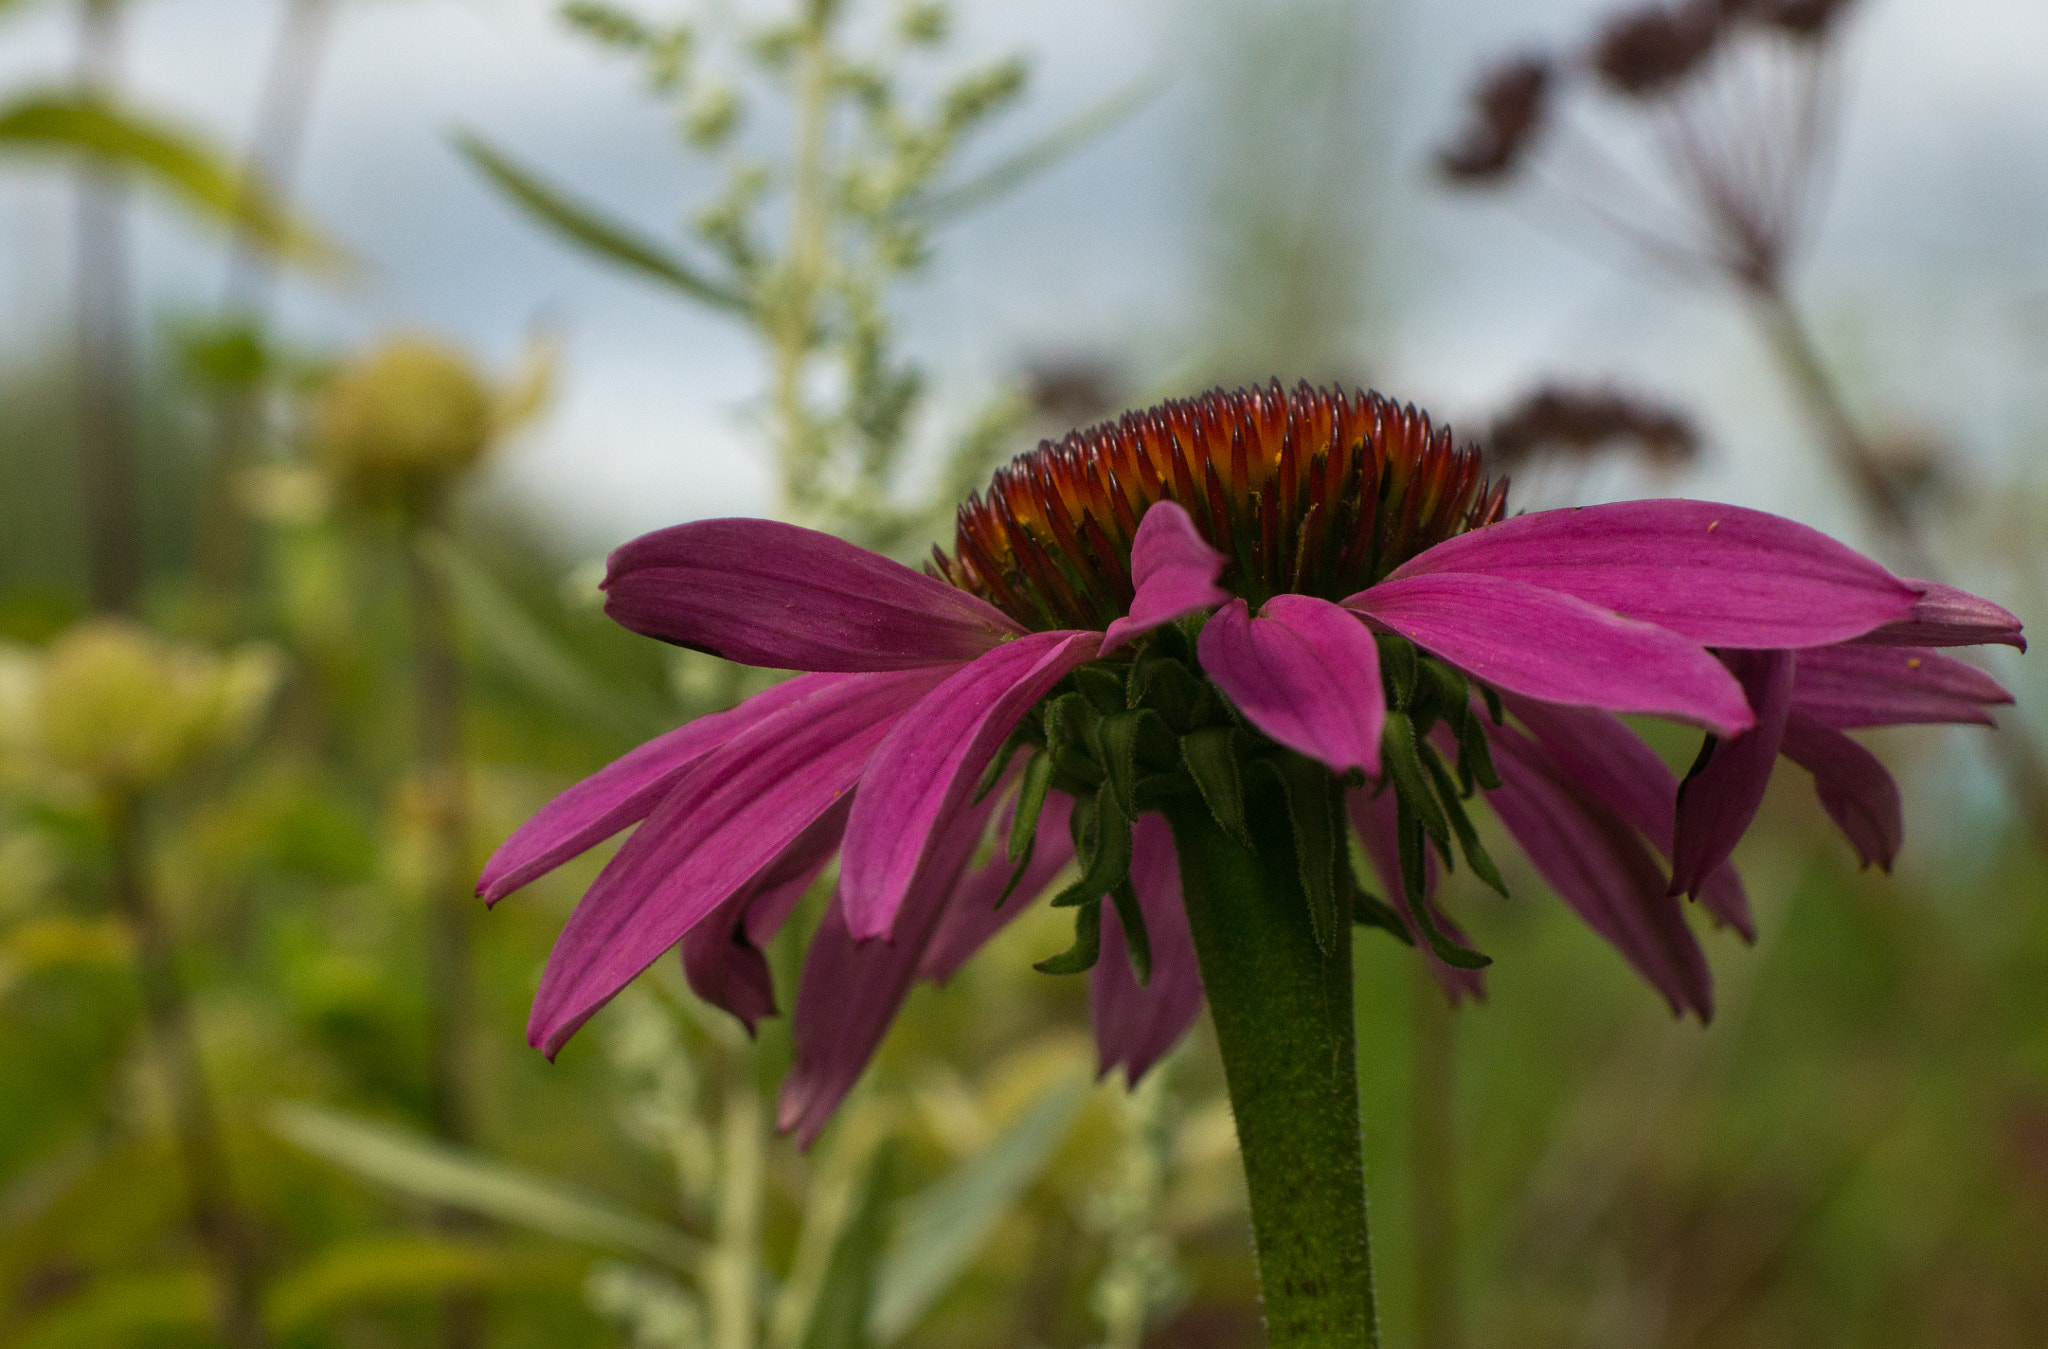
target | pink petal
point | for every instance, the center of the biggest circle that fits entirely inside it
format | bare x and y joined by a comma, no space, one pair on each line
1305,672
971,916
1720,575
1854,787
1174,570
1599,866
1374,819
1945,616
1136,1026
622,794
1611,763
722,955
1856,685
932,761
851,991
763,593
1716,804
1524,639
714,837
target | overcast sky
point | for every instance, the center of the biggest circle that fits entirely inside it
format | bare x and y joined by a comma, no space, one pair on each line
1931,267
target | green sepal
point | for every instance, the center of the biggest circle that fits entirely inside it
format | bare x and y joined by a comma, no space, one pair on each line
1031,790
1102,687
1369,910
1025,734
1397,669
1023,864
1137,941
1317,836
1400,759
1494,709
1211,755
1409,830
1070,725
1103,843
1087,948
1475,755
1132,741
1461,823
1160,682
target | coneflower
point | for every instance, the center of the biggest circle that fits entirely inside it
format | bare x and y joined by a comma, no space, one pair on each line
1184,655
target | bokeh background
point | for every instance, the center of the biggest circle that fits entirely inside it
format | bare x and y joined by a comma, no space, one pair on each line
376,412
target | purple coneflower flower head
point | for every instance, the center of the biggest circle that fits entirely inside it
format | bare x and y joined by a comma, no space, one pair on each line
1307,593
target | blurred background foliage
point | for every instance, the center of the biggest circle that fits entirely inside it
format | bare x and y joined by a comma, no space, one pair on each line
279,665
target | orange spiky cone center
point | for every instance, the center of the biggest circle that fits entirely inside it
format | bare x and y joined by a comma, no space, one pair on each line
1311,492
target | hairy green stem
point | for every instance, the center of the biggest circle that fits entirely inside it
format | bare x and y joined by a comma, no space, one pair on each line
1283,1015
218,1226
1432,1163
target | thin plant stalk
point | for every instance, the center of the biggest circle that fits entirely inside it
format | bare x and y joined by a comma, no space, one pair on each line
733,1272
1791,344
1283,1012
450,898
106,433
1432,1162
218,1225
283,109
791,306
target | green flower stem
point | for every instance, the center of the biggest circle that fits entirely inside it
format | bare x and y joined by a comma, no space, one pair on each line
1283,1016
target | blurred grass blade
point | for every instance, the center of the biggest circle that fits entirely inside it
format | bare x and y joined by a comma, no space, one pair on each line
59,941
528,651
596,232
944,1226
174,1307
1063,140
180,163
428,1170
384,1270
847,1298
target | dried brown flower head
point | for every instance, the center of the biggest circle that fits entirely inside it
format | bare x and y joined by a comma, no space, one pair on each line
1644,52
1579,422
1507,113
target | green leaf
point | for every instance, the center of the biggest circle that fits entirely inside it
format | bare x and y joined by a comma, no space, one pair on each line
1409,830
179,163
1211,757
1461,824
945,1226
846,1299
385,1269
432,1171
137,1309
1087,948
1042,154
1317,836
593,230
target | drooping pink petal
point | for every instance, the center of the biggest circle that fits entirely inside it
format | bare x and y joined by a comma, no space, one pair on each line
1306,672
1524,639
1856,685
1174,570
1716,804
1609,761
713,837
1600,867
1374,819
1853,786
622,793
722,955
852,990
1135,1026
1946,616
764,593
971,916
1719,575
932,761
